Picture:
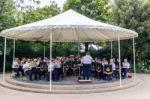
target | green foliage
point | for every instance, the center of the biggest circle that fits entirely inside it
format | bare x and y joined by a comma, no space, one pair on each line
65,49
39,14
134,14
11,17
95,9
7,11
7,20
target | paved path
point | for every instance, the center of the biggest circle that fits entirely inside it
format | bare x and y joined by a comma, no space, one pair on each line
141,91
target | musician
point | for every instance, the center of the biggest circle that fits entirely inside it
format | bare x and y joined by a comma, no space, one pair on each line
57,69
66,67
75,66
46,60
125,68
15,66
79,64
87,62
93,68
51,67
104,63
39,59
23,61
28,68
99,69
117,68
70,64
35,70
43,67
113,67
62,71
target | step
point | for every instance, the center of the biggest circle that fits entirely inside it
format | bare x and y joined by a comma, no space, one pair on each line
78,90
68,87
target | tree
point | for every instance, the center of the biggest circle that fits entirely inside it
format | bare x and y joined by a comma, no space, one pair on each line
96,9
134,14
7,20
7,11
10,17
33,15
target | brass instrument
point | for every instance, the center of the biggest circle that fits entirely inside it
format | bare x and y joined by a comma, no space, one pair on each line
107,70
117,68
65,69
98,68
92,67
74,67
43,68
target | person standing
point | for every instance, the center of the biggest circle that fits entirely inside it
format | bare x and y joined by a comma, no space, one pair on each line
113,67
125,68
87,61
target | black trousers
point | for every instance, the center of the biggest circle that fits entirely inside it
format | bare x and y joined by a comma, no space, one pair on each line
124,72
16,70
29,73
86,71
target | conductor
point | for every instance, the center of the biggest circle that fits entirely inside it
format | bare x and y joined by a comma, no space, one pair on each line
87,61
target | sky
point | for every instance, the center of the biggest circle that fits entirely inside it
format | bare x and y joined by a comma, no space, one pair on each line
59,2
47,2
42,3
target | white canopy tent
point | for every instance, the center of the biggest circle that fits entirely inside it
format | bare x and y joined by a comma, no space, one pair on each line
68,26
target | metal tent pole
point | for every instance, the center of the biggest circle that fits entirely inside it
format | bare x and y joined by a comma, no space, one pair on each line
78,55
44,50
4,63
134,57
50,83
111,49
78,48
119,61
14,48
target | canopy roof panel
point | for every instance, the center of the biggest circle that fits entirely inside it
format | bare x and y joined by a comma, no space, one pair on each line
68,26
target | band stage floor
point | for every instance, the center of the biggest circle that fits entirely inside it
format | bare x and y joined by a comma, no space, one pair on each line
73,80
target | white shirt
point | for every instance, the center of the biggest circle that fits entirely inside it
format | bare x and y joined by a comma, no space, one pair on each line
113,66
104,63
51,67
15,64
37,63
58,65
26,66
126,65
87,59
22,63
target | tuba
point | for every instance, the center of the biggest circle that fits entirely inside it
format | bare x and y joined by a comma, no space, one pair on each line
107,69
